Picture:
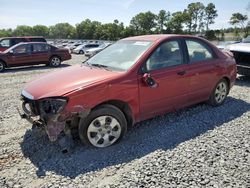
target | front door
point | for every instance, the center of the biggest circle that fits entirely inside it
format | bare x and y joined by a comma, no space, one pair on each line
168,72
21,55
40,52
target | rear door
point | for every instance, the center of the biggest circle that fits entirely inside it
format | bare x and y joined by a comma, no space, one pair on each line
21,55
40,52
203,70
167,68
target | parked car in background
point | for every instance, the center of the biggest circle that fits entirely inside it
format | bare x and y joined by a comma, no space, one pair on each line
82,48
241,53
7,42
132,80
32,53
93,51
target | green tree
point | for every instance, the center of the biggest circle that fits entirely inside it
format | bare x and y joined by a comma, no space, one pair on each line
144,22
23,30
239,19
162,21
40,30
210,15
5,32
176,22
195,11
62,31
87,29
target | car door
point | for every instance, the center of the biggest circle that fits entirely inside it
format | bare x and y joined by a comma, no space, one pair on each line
203,70
40,52
166,68
20,55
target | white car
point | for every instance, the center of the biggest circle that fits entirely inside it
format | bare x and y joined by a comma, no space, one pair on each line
93,51
82,48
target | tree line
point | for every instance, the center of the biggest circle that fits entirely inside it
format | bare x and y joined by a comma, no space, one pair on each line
195,18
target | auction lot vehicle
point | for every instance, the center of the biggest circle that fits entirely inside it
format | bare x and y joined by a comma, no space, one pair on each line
132,80
32,53
241,52
7,42
93,51
82,48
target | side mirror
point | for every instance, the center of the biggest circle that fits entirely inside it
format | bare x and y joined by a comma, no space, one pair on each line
149,81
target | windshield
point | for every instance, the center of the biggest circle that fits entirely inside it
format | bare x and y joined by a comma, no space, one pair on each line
121,55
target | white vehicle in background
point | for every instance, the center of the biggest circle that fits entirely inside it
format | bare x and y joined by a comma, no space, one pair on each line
84,47
241,53
93,51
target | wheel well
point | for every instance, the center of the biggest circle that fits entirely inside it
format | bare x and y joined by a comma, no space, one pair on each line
3,62
124,107
55,56
228,82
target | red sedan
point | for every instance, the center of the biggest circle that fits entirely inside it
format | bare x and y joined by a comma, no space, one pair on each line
132,80
32,53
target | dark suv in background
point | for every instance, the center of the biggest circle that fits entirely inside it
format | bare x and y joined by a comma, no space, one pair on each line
7,42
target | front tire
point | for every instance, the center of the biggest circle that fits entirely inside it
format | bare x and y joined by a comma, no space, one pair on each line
103,127
2,66
219,93
55,61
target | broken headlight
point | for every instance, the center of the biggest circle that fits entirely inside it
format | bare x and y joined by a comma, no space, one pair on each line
52,105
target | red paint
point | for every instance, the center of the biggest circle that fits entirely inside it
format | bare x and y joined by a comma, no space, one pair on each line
89,87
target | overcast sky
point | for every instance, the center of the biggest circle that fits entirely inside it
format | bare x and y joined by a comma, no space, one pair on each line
50,12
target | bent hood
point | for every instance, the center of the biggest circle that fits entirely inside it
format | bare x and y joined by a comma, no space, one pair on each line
64,81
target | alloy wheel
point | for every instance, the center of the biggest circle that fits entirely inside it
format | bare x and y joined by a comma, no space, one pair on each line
220,92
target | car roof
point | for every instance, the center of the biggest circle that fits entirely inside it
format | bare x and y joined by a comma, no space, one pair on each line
22,37
154,38
33,43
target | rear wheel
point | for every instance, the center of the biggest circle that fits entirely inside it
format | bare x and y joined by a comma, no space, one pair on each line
2,66
103,127
55,61
219,93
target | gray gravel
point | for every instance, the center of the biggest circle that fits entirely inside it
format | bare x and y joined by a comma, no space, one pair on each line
200,146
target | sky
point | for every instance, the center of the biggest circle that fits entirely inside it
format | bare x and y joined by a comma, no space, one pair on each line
50,12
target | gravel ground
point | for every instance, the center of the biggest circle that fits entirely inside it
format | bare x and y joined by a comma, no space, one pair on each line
199,146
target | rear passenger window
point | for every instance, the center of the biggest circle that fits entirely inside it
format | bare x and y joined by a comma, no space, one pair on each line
198,51
40,48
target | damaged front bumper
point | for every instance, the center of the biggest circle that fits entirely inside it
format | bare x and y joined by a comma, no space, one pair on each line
46,113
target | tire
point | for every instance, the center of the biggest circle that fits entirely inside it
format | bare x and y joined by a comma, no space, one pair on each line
103,127
55,61
219,93
81,52
2,66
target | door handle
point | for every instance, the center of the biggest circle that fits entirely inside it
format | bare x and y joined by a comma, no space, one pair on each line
181,73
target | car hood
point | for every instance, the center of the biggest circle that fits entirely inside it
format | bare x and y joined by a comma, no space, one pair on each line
61,82
240,47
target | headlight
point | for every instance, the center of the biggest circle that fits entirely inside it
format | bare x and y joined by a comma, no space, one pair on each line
52,105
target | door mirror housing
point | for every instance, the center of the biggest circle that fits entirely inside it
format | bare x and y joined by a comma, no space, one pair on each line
149,81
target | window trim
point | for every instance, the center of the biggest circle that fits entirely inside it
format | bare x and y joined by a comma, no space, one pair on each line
182,52
202,43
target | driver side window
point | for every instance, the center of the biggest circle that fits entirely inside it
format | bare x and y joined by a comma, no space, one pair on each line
168,54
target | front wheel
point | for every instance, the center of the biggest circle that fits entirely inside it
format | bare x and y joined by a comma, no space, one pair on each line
103,127
55,61
2,66
219,94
